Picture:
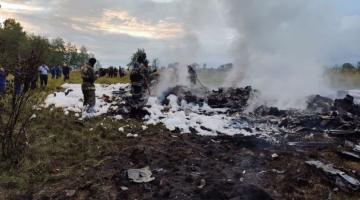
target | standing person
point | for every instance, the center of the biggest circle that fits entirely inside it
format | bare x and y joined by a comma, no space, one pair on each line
53,72
2,81
17,85
43,69
33,81
60,71
120,72
111,72
108,71
17,80
88,87
66,72
123,71
192,75
115,72
136,82
145,72
56,72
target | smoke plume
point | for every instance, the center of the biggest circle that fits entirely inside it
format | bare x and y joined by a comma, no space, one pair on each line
281,47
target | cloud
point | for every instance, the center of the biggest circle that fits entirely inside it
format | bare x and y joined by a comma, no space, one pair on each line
172,30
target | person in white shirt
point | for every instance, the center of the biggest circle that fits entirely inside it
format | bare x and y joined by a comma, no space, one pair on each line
43,69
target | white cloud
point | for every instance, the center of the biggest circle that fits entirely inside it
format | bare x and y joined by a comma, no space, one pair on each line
350,22
198,29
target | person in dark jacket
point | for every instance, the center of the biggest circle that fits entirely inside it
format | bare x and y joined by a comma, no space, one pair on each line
66,72
53,72
17,80
192,75
136,79
115,72
34,81
2,81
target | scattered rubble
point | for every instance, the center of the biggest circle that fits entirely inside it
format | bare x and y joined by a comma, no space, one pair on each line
350,154
313,144
142,175
233,98
70,193
329,169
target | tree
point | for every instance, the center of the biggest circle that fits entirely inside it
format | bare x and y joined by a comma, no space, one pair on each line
347,67
204,66
358,65
15,117
83,55
13,39
155,63
98,65
39,45
134,58
57,52
71,55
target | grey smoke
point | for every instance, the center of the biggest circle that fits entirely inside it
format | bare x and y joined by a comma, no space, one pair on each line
282,46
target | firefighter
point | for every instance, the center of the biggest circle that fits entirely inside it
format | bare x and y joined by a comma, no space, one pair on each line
136,79
192,75
144,70
89,76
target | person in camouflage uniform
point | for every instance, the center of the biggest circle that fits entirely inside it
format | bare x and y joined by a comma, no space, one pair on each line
89,76
136,79
144,70
192,75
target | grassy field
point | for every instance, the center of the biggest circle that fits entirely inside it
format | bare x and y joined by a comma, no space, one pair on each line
60,149
343,80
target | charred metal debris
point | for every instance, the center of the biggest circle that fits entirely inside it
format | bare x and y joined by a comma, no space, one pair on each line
325,123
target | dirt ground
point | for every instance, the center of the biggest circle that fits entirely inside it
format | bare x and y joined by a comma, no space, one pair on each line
231,167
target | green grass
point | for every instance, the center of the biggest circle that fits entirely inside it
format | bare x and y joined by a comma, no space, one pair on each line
59,148
212,79
343,80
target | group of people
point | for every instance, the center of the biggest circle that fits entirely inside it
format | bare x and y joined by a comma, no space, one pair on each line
113,71
24,82
58,71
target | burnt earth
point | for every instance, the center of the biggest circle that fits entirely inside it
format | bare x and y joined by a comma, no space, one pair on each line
231,167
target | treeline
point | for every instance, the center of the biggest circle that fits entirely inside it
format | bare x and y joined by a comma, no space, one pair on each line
348,67
16,45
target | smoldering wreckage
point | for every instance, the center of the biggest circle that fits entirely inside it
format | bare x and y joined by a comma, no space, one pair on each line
325,125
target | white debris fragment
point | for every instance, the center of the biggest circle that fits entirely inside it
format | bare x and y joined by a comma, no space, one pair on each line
118,117
77,115
33,116
121,129
144,127
132,135
66,112
274,155
309,136
91,129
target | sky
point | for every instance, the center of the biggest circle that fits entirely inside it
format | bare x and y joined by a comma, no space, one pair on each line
182,31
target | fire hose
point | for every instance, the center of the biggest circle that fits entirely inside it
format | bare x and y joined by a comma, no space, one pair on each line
147,85
200,82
